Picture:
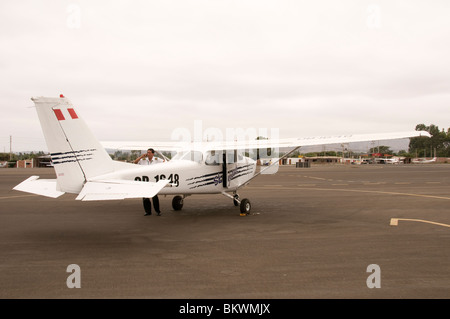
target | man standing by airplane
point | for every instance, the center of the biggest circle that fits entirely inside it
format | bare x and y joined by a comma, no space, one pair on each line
150,159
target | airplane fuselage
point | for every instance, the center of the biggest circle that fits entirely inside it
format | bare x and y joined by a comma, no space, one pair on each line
189,177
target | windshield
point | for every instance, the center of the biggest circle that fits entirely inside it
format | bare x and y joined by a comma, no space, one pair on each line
194,156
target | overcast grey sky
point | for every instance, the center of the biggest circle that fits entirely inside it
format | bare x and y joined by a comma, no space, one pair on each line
137,70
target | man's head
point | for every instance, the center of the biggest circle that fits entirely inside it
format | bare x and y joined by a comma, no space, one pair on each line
150,153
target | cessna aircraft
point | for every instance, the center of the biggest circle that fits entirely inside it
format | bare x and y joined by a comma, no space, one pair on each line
83,167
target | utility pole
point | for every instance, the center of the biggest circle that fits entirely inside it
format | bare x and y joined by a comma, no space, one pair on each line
10,147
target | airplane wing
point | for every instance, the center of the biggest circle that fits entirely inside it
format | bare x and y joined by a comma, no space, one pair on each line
144,145
270,143
119,189
295,144
313,141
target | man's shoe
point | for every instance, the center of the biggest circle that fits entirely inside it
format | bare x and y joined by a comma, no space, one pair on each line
147,214
158,214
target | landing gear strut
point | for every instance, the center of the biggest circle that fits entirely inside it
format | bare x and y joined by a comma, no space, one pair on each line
236,200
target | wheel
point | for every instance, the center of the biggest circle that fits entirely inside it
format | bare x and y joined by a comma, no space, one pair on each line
245,206
177,203
236,200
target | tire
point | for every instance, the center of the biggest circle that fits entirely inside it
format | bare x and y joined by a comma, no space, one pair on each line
245,206
177,203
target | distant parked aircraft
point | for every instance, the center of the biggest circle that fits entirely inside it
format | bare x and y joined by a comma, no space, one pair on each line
423,160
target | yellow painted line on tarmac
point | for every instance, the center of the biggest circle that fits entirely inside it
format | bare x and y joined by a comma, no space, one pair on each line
384,192
358,191
404,194
319,178
394,221
18,196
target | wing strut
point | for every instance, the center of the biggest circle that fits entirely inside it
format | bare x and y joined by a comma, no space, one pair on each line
266,168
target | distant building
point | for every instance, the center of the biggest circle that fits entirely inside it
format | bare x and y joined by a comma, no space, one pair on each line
40,161
315,159
25,163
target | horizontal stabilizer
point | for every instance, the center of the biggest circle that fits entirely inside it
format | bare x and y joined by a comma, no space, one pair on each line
120,189
44,187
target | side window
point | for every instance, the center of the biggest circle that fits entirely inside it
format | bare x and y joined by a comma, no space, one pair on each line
213,158
216,157
231,157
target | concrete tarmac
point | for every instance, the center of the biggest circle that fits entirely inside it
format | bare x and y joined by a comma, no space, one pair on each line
312,233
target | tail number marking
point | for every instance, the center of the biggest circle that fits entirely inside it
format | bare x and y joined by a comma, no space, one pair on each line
174,179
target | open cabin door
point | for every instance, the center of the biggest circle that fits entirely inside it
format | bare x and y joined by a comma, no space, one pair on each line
229,159
224,170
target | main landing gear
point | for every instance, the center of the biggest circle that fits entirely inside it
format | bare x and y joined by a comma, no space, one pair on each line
245,207
177,202
244,204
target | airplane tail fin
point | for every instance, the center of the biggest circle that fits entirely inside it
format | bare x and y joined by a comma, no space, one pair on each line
76,154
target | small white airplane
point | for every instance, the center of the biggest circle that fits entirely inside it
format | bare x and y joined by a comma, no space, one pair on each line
83,167
423,160
392,160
